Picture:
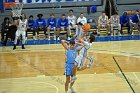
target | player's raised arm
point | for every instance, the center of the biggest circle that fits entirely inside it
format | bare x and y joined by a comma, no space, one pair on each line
65,44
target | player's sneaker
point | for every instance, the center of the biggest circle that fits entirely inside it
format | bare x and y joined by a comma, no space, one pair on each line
58,38
54,37
72,90
91,62
68,38
73,79
26,38
34,37
14,47
23,46
49,38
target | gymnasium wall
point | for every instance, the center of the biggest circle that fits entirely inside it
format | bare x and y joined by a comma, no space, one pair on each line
124,2
127,5
62,7
58,8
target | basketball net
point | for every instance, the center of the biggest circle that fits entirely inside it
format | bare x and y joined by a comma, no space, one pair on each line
16,8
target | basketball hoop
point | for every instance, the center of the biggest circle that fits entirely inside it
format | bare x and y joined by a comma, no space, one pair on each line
16,8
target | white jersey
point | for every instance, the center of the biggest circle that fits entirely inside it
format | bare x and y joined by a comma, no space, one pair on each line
80,59
22,25
82,20
115,20
103,20
72,19
84,49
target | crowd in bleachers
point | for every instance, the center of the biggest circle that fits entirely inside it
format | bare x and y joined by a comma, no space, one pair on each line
69,23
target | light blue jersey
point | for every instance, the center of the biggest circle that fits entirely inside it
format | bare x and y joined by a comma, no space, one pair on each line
70,60
70,56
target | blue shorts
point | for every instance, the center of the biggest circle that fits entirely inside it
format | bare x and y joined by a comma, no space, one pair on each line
69,69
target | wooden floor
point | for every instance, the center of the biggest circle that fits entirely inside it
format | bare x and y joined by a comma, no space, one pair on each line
40,69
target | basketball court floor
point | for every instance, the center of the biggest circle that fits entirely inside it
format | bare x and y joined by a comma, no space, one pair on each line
40,69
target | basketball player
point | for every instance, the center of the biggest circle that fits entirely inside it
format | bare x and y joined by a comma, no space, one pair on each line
102,22
115,22
51,25
82,55
70,60
72,21
21,30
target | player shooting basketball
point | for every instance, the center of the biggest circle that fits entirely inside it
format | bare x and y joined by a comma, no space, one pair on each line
84,46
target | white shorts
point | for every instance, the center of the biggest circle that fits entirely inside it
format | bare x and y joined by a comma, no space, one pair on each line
18,33
79,61
73,27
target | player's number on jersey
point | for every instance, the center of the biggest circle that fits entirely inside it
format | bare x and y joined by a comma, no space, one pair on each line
23,26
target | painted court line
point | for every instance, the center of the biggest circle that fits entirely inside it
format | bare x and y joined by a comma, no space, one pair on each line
50,85
136,77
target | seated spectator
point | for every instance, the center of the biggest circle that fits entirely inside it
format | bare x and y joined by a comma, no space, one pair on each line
11,32
135,21
5,27
115,22
31,26
102,22
51,25
40,24
63,26
124,21
82,19
72,20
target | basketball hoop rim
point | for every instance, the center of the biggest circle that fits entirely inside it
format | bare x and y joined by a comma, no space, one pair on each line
7,4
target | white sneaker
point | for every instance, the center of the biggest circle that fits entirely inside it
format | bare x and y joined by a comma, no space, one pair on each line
73,79
49,38
91,62
25,38
54,37
34,38
72,90
69,38
58,38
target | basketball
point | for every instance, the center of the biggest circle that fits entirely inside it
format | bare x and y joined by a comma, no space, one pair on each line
86,27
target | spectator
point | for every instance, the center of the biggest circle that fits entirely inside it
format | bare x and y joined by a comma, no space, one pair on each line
5,27
40,24
62,26
82,19
124,21
115,22
135,21
31,26
102,22
11,32
72,20
51,25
